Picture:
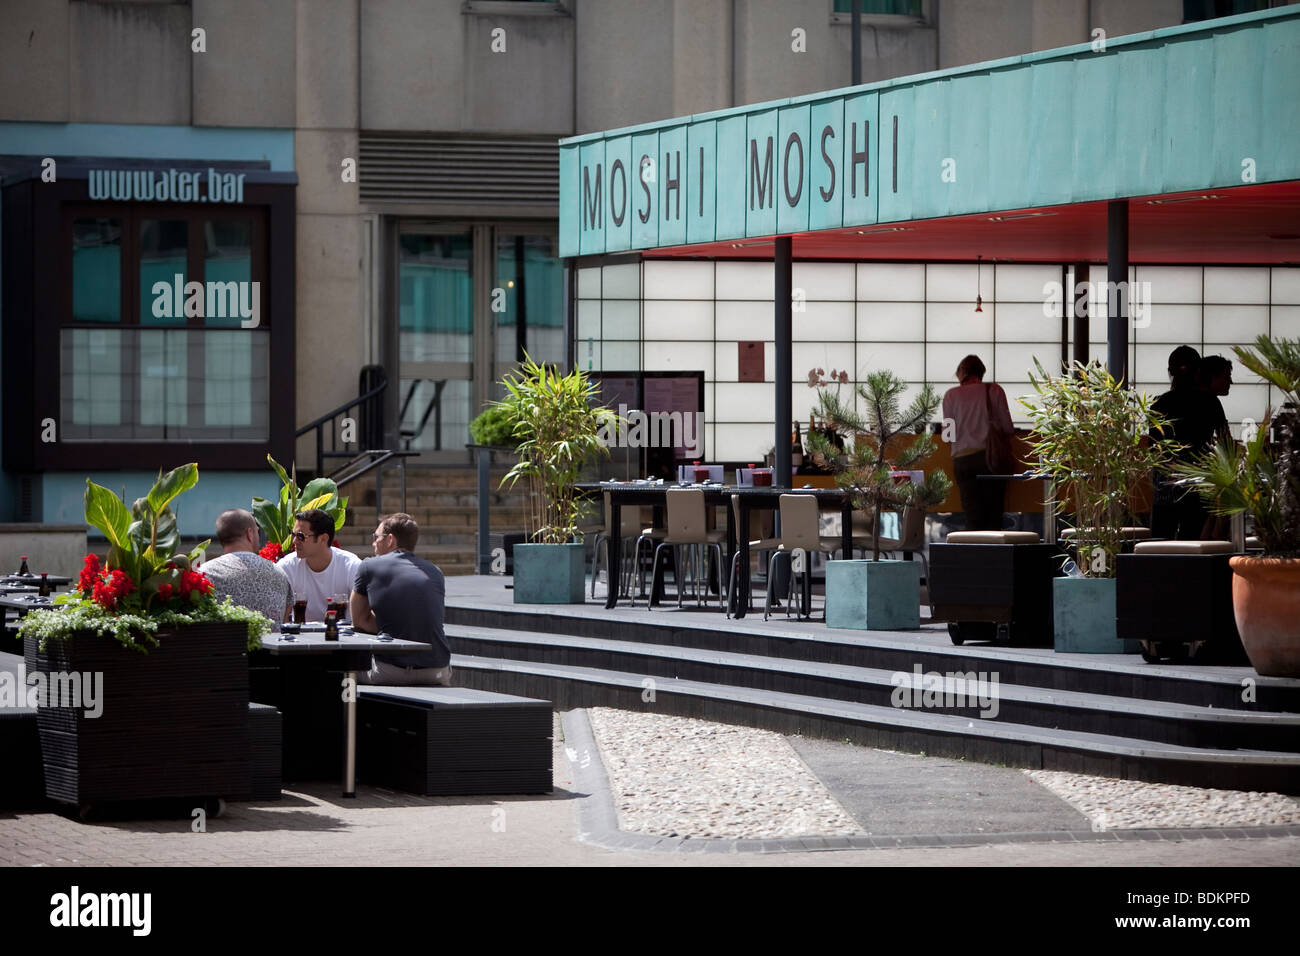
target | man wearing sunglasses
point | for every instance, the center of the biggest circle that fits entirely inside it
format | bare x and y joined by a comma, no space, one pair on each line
316,569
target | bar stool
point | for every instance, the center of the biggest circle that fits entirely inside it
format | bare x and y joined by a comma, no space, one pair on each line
688,526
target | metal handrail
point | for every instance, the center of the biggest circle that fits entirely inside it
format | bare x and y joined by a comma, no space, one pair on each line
378,457
319,424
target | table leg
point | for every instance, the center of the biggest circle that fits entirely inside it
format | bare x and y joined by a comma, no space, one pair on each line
350,735
615,552
742,544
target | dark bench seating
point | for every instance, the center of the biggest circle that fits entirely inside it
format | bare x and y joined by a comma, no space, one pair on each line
445,741
22,781
264,742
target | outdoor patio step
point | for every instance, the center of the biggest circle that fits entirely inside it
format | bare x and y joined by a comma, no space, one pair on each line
1123,676
1159,721
927,732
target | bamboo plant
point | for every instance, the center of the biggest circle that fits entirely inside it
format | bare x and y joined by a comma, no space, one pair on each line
558,430
1091,434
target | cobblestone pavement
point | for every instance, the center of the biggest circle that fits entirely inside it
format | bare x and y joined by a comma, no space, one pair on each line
314,826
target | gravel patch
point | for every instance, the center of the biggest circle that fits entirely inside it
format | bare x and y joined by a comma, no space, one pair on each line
1131,804
677,776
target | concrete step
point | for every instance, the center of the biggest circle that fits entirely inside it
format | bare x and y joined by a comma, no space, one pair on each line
1157,721
932,732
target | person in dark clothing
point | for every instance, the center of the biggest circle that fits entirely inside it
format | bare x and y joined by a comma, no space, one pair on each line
402,596
1195,419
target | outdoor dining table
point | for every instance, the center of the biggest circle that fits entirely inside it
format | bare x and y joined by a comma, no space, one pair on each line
351,653
750,499
34,580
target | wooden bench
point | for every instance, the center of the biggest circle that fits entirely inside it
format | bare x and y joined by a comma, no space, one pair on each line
442,741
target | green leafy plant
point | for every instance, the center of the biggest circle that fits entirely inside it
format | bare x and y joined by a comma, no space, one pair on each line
145,582
1261,477
493,427
1091,439
276,517
879,447
557,431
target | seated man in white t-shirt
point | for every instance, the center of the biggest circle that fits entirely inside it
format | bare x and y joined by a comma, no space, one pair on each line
316,569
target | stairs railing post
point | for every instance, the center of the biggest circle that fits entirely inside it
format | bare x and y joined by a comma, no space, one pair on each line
484,511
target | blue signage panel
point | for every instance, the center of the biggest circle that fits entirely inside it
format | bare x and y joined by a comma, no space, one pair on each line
701,181
645,193
731,183
673,167
826,165
796,157
620,182
861,159
761,173
568,210
592,202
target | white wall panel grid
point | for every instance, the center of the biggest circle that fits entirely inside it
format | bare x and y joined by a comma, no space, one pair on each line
891,322
665,279
891,282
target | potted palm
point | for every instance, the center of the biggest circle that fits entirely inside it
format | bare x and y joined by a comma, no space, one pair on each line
1262,479
557,431
875,594
142,676
1090,435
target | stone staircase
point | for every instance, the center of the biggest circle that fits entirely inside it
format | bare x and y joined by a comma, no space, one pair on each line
445,503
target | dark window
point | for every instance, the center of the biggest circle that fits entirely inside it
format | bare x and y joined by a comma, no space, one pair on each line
194,361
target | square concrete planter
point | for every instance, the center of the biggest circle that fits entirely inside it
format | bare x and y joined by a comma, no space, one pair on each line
1083,617
873,595
550,573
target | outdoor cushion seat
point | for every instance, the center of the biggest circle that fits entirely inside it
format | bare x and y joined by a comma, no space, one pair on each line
1128,533
992,537
1184,547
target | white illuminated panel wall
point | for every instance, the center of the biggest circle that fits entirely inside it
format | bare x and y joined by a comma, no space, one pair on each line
916,319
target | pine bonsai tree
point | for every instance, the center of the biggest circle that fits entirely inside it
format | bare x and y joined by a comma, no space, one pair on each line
880,445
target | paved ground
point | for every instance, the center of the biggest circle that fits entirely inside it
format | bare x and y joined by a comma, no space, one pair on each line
314,826
898,794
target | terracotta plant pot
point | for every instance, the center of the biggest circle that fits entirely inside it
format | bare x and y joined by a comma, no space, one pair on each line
1266,602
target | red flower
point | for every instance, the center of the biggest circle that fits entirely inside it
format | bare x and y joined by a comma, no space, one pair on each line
165,591
89,574
272,551
193,581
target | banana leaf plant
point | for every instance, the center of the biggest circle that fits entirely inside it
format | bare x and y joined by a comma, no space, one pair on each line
276,517
144,543
146,582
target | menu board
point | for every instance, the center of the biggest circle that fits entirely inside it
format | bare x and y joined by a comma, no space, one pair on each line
664,414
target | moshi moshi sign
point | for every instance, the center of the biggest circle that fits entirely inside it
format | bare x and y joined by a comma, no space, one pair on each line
166,185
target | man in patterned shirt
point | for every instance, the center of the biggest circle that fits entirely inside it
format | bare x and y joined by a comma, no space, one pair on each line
242,574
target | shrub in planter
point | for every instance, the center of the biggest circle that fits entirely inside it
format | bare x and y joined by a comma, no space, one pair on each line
1091,433
860,596
1262,478
146,689
557,432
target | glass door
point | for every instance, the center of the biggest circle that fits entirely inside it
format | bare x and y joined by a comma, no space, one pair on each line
436,340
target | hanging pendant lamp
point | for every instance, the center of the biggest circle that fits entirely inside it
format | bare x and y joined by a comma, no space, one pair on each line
979,299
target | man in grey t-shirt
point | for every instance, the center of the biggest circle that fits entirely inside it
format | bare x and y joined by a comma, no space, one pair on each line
244,575
400,595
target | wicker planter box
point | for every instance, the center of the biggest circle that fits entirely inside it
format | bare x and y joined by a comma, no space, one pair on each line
174,722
